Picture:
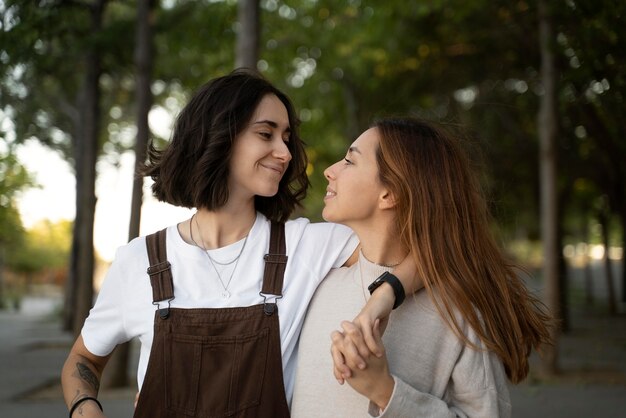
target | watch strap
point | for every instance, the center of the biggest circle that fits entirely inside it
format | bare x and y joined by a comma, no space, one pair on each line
396,285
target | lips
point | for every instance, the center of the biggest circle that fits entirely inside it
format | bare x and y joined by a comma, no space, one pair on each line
330,193
278,168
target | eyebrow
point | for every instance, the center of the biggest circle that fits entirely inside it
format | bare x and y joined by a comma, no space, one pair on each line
355,150
271,123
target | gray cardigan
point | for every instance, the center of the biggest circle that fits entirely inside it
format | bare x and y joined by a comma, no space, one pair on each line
435,374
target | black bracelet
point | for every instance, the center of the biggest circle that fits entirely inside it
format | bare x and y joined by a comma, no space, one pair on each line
398,289
81,400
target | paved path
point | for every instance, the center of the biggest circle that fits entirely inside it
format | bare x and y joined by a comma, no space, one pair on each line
32,354
593,356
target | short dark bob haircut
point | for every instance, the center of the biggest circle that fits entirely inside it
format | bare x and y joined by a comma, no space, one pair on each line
193,170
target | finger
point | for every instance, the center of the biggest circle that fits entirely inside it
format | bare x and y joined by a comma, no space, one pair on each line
383,325
356,338
340,369
370,340
349,351
353,358
377,335
338,372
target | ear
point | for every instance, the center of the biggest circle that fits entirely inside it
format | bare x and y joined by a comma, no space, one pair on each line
387,200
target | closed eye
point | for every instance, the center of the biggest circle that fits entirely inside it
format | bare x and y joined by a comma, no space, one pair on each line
266,135
348,162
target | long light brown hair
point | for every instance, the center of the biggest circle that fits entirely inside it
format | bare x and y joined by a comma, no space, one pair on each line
443,218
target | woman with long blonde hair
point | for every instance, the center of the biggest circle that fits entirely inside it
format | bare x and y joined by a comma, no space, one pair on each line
406,188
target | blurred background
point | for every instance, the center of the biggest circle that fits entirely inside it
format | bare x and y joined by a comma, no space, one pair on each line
535,88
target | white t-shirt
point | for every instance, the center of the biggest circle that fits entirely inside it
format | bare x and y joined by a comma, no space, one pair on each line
124,308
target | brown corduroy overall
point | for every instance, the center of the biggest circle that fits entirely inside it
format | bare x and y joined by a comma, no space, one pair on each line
215,362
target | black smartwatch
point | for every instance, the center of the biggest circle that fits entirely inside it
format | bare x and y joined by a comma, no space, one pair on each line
398,289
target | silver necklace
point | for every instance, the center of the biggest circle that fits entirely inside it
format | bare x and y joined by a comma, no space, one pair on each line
361,271
225,293
214,261
361,276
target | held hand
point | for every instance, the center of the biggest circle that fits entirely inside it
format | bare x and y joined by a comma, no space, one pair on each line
374,381
340,369
350,351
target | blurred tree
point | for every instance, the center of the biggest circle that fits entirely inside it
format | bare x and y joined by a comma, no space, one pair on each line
46,247
248,22
116,374
470,64
13,179
82,262
594,90
547,128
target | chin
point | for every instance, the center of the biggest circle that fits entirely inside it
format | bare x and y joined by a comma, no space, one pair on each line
268,192
327,215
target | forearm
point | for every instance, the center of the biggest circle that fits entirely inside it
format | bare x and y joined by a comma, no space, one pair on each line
406,400
80,378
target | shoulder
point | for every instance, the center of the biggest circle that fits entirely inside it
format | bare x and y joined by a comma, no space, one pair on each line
131,250
324,229
136,252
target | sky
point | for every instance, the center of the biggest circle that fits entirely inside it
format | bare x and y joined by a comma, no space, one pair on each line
55,198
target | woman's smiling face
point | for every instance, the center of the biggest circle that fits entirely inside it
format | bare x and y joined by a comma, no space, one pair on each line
260,154
354,186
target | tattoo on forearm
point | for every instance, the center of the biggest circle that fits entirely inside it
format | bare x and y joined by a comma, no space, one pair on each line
88,376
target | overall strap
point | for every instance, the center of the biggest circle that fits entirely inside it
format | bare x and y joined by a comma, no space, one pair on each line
160,271
275,264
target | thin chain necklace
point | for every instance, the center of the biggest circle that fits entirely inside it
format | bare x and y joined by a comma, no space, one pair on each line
214,260
361,255
225,293
381,264
361,276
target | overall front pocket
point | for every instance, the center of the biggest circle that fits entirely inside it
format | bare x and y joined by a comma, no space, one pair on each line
215,376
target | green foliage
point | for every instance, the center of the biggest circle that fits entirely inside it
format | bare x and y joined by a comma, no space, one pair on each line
471,65
46,246
13,179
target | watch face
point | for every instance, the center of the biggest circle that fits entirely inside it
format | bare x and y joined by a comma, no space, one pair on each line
374,285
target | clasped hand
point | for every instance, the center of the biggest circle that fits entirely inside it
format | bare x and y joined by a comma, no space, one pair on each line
359,358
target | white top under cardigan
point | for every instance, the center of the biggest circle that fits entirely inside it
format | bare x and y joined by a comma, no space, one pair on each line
124,307
435,374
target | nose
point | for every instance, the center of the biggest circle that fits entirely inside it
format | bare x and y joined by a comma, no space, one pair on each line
281,152
329,173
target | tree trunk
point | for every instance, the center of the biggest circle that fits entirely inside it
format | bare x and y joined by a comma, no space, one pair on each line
87,149
143,62
623,221
117,370
548,168
247,50
562,273
586,262
604,223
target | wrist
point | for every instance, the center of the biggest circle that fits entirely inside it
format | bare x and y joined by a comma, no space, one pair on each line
85,404
382,394
394,282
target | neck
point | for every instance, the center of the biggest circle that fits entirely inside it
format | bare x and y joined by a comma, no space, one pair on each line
379,242
216,229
